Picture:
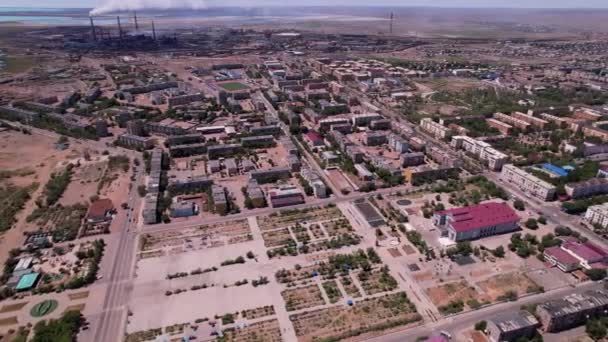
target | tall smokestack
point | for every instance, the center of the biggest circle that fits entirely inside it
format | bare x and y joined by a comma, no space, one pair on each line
119,27
153,30
136,24
93,29
391,24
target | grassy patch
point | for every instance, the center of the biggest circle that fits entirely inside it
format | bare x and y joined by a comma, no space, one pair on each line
233,86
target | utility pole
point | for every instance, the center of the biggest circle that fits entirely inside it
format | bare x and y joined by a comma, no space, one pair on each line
391,24
153,31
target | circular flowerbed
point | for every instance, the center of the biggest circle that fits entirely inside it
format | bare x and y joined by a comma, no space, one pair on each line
44,308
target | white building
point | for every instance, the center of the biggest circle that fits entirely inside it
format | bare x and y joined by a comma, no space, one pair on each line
436,129
597,214
481,149
527,183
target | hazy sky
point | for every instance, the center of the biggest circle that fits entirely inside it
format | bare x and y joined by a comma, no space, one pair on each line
440,3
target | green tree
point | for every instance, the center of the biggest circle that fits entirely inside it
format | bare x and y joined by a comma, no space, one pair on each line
519,205
596,329
481,325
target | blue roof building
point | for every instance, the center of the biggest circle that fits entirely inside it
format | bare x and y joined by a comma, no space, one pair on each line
559,171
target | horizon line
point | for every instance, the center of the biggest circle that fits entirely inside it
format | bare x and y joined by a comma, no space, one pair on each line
337,5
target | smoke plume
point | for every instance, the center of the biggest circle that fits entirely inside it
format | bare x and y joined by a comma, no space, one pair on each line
110,6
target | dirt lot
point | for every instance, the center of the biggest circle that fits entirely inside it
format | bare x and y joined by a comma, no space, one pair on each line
516,282
461,290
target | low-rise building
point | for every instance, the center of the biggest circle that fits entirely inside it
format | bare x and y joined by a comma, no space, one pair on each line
270,175
255,194
588,188
365,119
502,127
521,124
510,326
572,310
231,166
397,143
257,141
175,140
217,151
184,209
528,183
186,150
135,141
375,138
100,211
283,197
532,120
482,150
436,129
477,221
220,201
597,215
411,159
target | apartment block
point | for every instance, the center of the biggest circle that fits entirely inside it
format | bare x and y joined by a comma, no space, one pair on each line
591,187
597,215
436,129
589,131
482,150
532,120
572,310
135,141
528,183
502,127
510,326
523,125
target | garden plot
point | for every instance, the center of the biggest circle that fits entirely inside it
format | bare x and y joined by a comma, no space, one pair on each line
338,227
377,281
508,286
366,316
288,218
316,231
279,237
332,291
208,236
262,311
302,297
265,331
349,287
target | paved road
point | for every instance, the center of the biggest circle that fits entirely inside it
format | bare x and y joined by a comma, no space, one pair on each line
109,325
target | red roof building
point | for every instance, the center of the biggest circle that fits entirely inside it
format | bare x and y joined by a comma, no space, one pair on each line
474,222
556,256
314,139
100,211
587,253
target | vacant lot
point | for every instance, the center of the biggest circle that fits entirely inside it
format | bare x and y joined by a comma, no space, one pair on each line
452,297
508,286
